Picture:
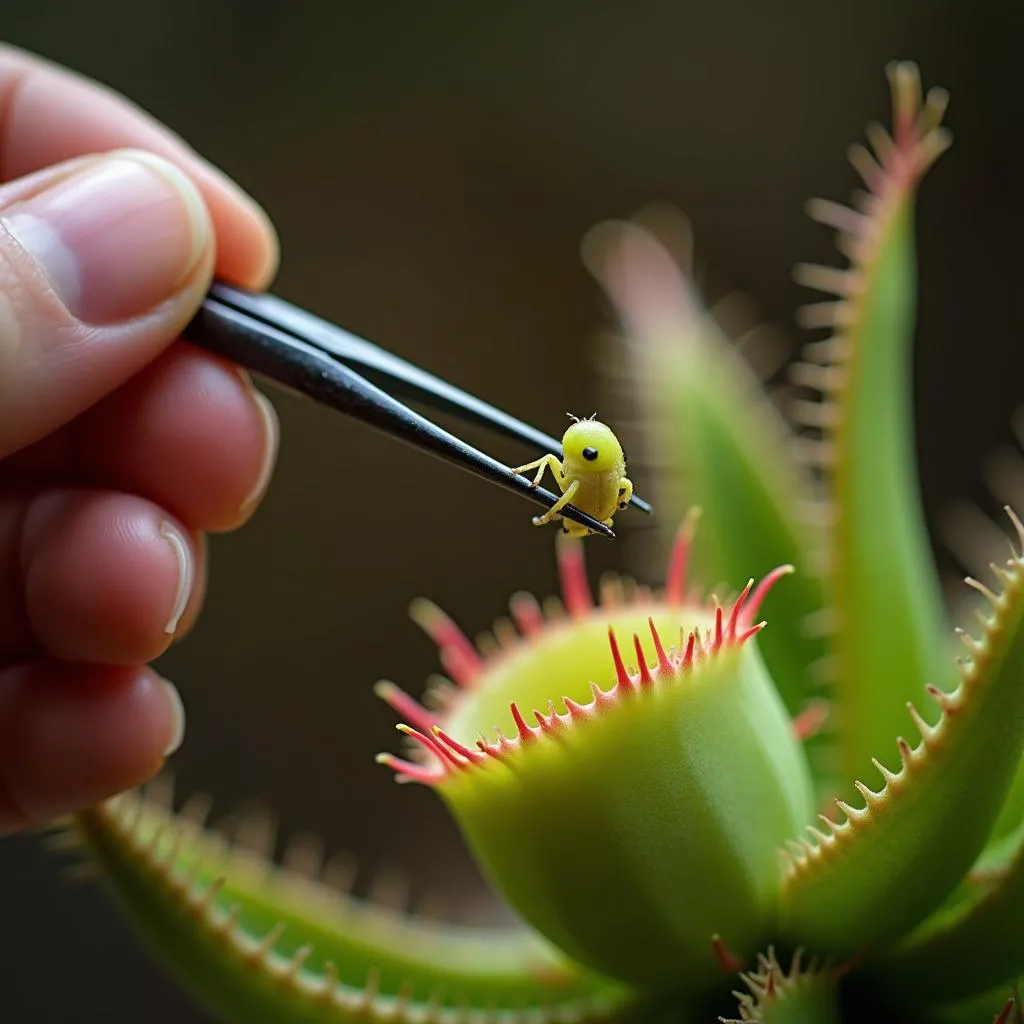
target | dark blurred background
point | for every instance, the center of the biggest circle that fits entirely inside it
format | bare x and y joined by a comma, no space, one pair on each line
432,169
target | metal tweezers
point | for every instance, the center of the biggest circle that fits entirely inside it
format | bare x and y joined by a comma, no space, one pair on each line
330,365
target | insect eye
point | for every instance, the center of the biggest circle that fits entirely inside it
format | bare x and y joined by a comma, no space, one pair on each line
589,454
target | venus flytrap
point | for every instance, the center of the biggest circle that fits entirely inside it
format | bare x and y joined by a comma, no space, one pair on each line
651,772
648,778
799,995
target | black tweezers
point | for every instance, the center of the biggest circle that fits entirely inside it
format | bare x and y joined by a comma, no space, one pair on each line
317,359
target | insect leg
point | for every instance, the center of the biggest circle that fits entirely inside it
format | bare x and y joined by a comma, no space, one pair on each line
564,500
545,462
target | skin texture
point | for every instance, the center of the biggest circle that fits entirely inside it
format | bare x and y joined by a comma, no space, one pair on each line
108,482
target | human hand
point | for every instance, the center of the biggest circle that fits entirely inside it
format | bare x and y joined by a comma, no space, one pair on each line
119,448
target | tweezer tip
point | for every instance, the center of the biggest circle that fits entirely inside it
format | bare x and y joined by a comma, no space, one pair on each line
307,354
595,526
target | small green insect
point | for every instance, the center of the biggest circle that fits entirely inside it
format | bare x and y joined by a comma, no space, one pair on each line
591,475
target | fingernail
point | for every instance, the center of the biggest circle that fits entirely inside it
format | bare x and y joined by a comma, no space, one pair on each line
186,573
177,715
116,238
271,433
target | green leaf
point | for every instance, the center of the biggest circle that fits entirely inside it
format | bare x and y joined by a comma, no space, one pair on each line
718,442
1001,1005
631,829
258,943
872,878
799,996
971,946
1011,816
885,591
976,542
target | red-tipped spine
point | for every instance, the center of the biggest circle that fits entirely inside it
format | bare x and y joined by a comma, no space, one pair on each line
689,651
406,771
811,720
525,732
753,606
641,660
750,631
621,675
406,707
576,712
461,669
1004,1013
675,578
727,959
446,757
527,614
454,745
460,658
737,609
572,571
664,664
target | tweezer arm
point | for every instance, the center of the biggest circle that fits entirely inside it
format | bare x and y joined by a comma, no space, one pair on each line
401,379
297,365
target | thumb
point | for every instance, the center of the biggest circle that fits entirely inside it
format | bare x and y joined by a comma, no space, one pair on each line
103,261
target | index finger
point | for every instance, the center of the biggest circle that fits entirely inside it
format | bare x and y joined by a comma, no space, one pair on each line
49,115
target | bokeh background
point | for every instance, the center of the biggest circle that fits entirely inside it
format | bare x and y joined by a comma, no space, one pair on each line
432,168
